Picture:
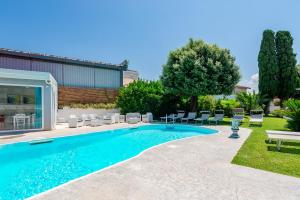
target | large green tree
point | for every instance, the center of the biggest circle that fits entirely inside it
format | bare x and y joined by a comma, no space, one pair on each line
287,65
267,64
298,69
198,69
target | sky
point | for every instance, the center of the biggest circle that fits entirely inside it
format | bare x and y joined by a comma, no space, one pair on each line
145,31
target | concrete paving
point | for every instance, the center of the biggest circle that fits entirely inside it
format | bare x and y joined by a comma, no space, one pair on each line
193,168
61,131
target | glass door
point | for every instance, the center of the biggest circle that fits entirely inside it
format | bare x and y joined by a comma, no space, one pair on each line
20,108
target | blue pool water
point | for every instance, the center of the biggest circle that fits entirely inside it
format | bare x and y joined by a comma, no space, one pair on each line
26,170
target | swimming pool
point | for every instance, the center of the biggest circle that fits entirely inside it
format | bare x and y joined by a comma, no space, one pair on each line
26,170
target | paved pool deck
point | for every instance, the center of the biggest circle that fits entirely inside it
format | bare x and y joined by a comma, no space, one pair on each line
193,168
61,131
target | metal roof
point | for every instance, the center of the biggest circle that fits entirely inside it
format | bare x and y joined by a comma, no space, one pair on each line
28,75
60,59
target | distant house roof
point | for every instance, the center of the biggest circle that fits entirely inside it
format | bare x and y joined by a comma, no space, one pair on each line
242,87
59,59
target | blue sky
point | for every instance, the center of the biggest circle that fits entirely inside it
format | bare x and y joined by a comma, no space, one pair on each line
144,31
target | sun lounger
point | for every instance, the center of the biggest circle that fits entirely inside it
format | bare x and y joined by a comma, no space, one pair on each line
191,116
256,117
179,116
133,118
219,116
204,117
279,136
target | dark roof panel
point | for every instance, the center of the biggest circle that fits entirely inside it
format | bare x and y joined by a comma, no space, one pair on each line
66,60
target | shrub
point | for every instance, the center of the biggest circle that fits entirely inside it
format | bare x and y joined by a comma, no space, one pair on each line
93,105
278,113
249,101
228,105
293,112
140,96
207,103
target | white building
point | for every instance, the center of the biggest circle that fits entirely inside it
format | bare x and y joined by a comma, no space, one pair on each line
28,100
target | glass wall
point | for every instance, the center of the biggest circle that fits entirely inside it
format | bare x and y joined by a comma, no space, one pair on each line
20,107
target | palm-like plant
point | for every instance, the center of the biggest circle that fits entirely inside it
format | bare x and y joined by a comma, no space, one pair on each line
250,101
293,113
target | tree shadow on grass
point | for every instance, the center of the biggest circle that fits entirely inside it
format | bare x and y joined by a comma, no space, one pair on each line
225,123
255,125
285,150
290,143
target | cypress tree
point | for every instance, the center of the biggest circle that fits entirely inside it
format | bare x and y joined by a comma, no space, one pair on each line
268,68
286,60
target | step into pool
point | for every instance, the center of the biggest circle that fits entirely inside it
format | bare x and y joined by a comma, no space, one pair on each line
27,169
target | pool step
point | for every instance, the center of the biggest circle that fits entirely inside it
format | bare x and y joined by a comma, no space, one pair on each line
41,141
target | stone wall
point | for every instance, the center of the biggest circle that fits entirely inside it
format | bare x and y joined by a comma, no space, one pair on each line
68,95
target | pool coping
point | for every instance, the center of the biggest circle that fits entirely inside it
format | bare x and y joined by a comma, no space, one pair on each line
121,162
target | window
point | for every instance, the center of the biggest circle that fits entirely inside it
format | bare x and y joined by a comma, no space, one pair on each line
20,107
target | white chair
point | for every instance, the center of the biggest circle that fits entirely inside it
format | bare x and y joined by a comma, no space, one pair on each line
204,117
148,117
109,118
74,122
19,120
191,116
94,121
117,117
133,118
121,118
86,120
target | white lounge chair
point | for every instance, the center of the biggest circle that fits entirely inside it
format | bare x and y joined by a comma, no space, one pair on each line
256,117
191,116
219,116
204,117
133,118
279,136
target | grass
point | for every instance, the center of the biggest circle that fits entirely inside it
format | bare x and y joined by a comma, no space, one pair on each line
258,153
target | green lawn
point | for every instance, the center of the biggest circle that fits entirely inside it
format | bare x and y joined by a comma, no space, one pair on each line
256,152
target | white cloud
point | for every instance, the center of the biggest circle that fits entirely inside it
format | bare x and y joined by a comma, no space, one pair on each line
252,82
